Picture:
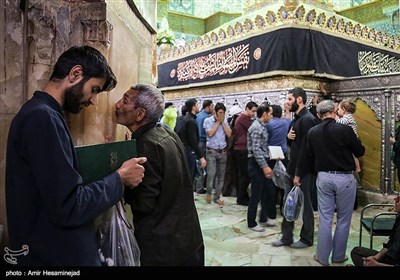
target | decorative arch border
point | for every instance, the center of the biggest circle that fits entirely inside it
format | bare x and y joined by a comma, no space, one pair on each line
317,18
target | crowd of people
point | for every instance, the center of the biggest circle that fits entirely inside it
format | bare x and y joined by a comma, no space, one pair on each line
325,171
52,212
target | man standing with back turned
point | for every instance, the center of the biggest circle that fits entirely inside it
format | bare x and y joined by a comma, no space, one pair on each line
48,208
331,146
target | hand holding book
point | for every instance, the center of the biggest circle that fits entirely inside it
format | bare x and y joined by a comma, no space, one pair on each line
132,172
97,161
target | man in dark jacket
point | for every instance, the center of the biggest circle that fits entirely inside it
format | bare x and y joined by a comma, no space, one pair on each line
179,120
49,212
167,227
189,135
300,169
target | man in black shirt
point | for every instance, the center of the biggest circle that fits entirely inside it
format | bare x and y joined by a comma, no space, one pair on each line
300,169
189,135
331,146
179,120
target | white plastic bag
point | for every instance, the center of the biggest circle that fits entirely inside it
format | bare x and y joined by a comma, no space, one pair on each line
200,172
294,205
279,175
115,238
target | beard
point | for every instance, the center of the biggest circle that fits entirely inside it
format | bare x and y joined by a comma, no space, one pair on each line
294,107
72,98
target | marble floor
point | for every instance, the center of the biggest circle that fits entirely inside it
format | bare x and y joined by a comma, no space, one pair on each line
229,242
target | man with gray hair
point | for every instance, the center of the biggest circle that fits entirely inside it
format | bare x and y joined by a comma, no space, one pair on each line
167,227
331,145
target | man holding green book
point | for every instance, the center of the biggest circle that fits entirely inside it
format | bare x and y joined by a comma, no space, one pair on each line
50,213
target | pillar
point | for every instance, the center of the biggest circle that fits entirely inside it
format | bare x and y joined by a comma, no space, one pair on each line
386,184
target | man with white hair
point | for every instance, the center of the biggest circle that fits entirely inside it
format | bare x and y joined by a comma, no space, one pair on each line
332,145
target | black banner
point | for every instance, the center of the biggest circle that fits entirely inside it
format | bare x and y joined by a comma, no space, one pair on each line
285,51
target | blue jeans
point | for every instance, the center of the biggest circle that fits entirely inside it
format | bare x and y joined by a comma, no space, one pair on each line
262,189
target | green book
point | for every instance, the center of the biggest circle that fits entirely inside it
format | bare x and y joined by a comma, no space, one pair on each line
97,161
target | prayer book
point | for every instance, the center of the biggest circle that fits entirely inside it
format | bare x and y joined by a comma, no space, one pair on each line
97,161
275,152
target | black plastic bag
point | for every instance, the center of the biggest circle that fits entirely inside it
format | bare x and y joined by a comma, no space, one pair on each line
115,238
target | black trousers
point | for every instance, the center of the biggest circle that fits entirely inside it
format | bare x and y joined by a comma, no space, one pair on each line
197,259
242,177
358,253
